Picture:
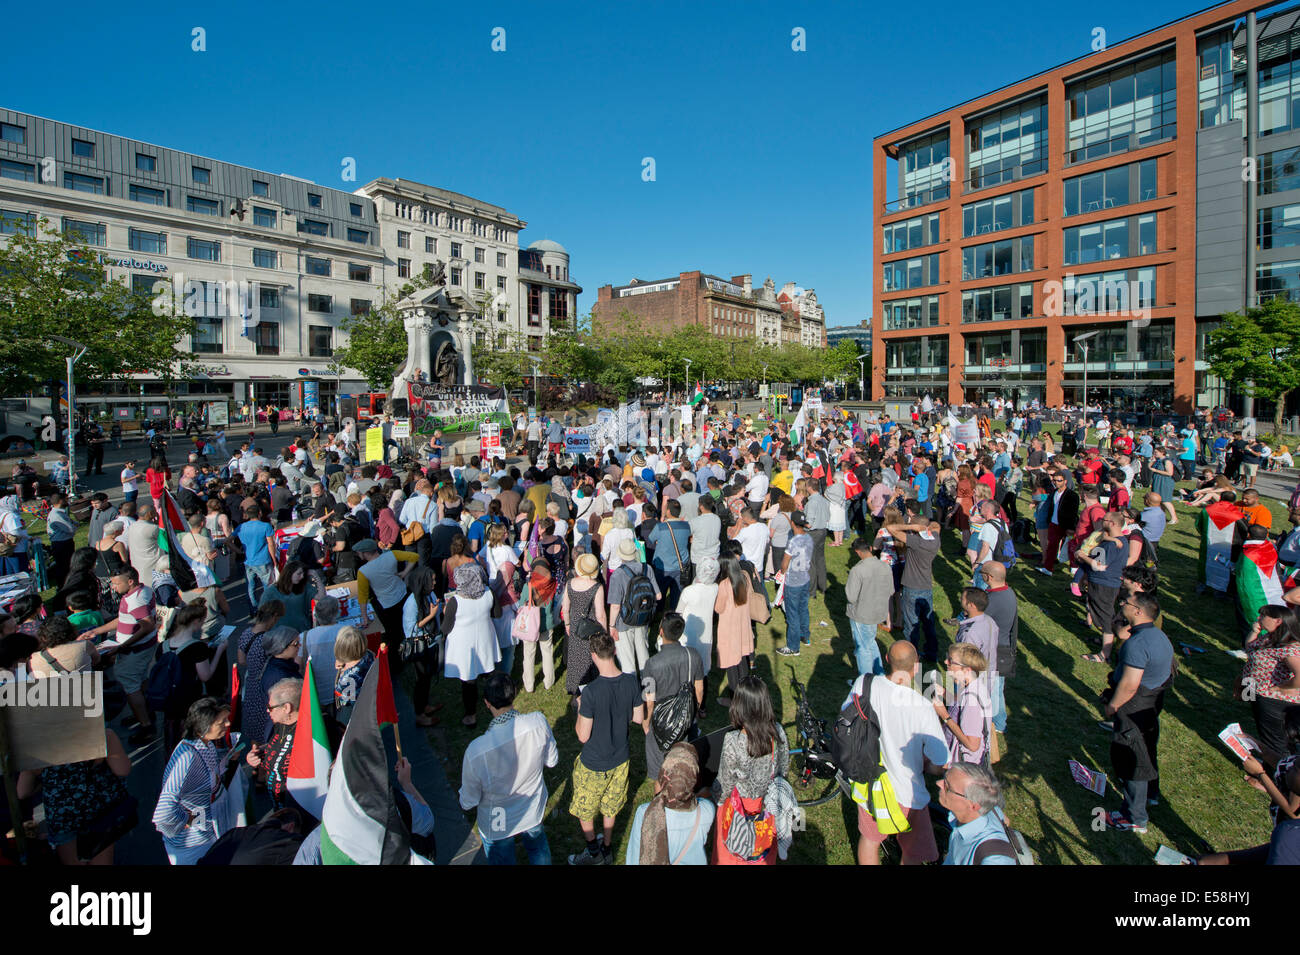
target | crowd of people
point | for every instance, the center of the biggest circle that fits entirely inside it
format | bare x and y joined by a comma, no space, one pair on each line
639,576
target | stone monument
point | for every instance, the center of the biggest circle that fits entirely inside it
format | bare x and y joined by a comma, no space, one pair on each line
439,336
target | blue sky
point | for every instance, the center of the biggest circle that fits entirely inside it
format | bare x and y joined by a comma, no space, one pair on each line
762,154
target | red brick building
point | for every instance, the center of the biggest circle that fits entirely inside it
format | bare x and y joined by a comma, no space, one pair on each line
1103,196
730,308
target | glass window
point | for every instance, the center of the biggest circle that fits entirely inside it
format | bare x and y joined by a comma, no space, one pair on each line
355,209
899,236
501,282
501,256
430,244
358,273
264,217
142,284
313,200
319,303
201,175
455,250
360,236
320,341
156,197
998,258
455,276
83,183
267,338
83,149
1127,107
403,268
146,163
261,188
993,215
207,335
23,171
10,133
478,255
206,250
17,223
403,239
1146,234
925,170
1278,279
360,306
265,258
207,207
87,233
315,227
268,297
912,273
912,313
317,266
1006,145
1279,171
480,280
153,242
1107,188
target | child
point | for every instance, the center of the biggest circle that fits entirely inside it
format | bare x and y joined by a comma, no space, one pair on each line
352,661
83,614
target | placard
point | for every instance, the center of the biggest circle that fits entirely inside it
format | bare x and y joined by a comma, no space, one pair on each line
374,444
489,441
218,414
577,441
401,428
55,720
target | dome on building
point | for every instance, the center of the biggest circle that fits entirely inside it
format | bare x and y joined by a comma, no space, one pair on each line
549,245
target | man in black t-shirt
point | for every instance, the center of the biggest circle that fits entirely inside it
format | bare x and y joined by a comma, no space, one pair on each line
606,707
345,532
664,676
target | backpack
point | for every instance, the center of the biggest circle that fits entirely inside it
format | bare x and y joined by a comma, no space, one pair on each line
164,680
638,606
1022,531
855,748
673,716
1005,549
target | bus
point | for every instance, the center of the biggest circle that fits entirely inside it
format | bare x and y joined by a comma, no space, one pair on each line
24,421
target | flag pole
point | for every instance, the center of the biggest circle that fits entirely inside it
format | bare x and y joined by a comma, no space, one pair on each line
397,732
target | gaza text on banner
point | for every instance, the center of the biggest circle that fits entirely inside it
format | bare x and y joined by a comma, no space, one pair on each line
454,409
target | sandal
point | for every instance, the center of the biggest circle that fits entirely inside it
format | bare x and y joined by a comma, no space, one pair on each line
1094,658
427,721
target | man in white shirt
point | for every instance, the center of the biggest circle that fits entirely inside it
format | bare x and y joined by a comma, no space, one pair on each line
756,487
501,777
911,745
752,535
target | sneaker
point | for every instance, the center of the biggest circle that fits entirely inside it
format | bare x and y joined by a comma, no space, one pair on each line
787,652
1117,820
1107,725
1153,801
808,642
1044,571
951,621
586,858
1074,589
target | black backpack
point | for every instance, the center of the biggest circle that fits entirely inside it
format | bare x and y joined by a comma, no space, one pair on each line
638,607
855,738
164,680
673,716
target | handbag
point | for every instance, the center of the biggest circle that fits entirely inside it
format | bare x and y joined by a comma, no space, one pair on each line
528,622
420,640
415,530
759,611
749,835
672,719
687,568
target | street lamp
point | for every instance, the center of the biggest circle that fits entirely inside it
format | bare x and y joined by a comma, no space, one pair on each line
1082,340
765,379
688,378
72,441
537,395
862,369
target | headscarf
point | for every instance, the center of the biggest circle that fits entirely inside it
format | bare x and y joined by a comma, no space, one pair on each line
706,571
541,582
557,485
469,581
677,778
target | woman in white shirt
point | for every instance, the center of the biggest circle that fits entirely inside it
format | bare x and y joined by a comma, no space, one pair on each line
696,607
500,560
583,505
621,531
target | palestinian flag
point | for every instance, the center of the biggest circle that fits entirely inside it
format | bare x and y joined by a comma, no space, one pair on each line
385,705
360,824
1258,584
1217,527
697,397
309,759
171,525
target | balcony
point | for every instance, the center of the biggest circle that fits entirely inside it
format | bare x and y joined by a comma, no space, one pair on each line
922,198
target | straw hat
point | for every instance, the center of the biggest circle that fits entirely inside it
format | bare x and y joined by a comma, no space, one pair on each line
587,565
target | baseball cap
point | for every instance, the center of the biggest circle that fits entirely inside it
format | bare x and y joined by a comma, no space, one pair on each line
798,519
366,546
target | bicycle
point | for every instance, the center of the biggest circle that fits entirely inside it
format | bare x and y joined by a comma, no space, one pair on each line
816,762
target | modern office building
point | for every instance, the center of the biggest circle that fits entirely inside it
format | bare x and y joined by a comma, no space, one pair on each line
308,255
859,334
731,308
1111,195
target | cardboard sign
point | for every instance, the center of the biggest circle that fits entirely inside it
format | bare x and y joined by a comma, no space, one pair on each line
218,414
55,720
489,441
374,444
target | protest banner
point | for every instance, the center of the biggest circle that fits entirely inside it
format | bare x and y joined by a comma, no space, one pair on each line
455,409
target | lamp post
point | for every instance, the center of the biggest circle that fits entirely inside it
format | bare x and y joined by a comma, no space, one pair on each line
537,395
1082,341
688,378
72,440
862,371
765,378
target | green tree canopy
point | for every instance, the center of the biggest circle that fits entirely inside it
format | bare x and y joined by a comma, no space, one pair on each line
1259,352
53,284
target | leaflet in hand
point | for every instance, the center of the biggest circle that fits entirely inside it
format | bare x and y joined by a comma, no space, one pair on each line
1236,740
1167,856
1091,780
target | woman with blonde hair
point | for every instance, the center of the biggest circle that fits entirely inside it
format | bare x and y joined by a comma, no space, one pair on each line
890,549
966,714
583,601
621,530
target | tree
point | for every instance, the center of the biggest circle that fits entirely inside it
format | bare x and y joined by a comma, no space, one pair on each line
1259,352
376,345
54,284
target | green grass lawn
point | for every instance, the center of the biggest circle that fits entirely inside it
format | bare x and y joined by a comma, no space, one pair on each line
1052,718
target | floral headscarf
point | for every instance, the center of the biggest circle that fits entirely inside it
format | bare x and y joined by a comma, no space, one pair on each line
469,581
677,779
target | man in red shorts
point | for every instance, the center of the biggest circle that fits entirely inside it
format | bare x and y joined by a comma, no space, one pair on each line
911,745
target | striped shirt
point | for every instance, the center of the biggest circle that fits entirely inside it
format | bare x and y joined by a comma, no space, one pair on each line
135,608
190,784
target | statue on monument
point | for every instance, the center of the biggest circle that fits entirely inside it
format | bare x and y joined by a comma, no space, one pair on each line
445,364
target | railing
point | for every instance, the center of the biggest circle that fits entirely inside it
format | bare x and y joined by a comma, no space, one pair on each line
1119,144
922,198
